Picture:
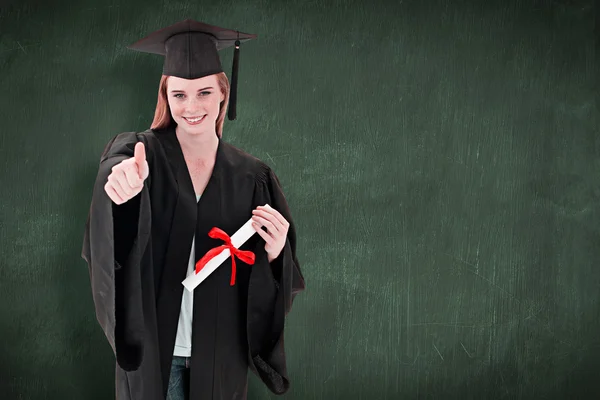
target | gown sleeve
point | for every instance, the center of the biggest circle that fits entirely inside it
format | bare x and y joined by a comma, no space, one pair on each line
114,242
271,292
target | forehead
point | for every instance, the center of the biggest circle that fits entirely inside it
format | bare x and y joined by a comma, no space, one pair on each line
176,83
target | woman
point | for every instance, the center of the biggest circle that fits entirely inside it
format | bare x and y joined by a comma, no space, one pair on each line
157,196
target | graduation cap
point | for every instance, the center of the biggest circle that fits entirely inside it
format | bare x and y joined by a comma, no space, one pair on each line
191,51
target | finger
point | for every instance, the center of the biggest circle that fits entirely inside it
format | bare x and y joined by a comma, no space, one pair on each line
133,178
266,223
119,189
268,238
121,179
139,153
112,194
140,160
271,218
119,183
275,213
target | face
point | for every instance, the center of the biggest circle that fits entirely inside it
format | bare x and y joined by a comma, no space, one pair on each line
194,103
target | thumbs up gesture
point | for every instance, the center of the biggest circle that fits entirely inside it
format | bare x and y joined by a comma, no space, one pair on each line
127,178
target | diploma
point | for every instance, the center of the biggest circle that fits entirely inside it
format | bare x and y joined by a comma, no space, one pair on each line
238,239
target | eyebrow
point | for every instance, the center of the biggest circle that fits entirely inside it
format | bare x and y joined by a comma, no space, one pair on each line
183,91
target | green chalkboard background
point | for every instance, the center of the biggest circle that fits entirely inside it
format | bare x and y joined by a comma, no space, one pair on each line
441,159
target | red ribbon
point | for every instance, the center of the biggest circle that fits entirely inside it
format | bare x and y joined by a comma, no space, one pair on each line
244,255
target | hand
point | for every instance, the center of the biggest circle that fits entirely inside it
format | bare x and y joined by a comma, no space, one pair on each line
127,178
277,228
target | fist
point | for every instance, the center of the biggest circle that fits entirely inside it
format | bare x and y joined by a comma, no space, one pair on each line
127,178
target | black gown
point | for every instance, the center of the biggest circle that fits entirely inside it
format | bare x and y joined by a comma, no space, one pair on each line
138,254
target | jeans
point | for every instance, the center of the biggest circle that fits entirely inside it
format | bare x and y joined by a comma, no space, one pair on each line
179,381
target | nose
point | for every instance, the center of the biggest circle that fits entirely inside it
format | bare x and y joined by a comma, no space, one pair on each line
192,106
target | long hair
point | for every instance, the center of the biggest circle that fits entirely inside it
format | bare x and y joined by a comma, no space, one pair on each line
162,114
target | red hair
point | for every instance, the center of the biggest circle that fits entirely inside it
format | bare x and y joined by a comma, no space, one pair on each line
162,114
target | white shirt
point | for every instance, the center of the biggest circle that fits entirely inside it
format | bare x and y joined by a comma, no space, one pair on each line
183,342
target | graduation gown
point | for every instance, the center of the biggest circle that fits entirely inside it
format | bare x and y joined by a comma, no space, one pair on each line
138,254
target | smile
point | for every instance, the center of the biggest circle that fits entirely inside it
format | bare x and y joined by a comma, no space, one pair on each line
194,120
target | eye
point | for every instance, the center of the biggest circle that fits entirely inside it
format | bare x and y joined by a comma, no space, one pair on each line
205,93
177,95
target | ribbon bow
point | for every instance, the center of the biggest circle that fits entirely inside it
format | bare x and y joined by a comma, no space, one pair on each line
244,255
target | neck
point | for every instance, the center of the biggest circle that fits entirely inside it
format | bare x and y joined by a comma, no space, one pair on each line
200,147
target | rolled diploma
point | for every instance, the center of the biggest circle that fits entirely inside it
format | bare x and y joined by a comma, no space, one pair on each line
238,239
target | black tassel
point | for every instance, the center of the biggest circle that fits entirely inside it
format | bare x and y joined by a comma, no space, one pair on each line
234,82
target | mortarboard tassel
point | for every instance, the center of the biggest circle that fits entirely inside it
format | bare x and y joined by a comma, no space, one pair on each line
234,81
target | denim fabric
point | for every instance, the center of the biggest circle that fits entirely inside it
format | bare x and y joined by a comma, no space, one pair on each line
179,379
